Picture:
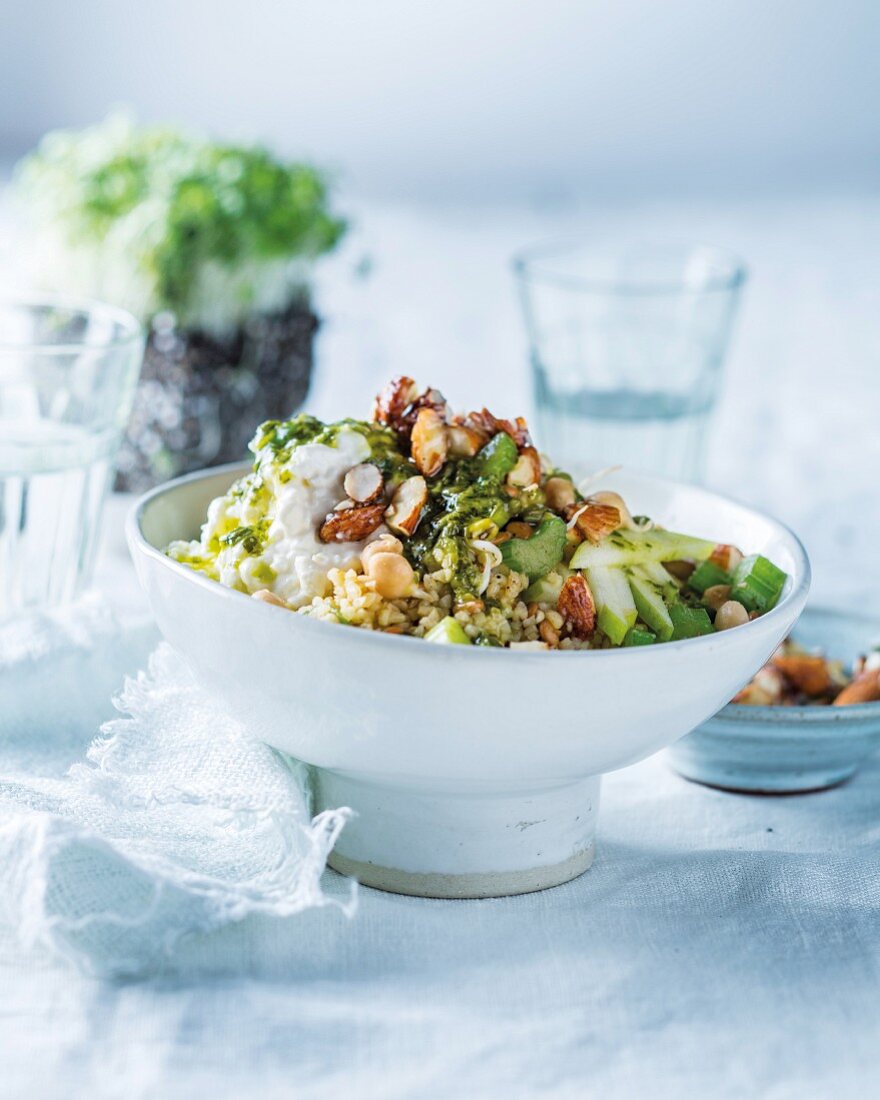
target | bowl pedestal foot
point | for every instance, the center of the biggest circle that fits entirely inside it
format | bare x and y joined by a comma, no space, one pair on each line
434,842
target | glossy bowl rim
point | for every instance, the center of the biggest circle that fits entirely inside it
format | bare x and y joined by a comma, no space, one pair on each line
799,588
799,716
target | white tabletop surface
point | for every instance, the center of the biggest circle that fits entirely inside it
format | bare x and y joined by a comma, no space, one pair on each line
721,945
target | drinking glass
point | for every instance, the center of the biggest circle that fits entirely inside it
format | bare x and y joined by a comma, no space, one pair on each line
67,376
627,349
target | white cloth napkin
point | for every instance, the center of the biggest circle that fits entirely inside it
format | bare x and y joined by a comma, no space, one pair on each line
171,822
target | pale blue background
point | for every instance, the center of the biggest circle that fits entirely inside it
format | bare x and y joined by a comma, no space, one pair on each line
478,99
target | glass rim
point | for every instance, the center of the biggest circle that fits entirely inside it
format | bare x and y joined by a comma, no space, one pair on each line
526,261
132,331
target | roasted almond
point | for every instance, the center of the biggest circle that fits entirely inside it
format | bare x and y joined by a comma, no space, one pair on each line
485,422
352,524
363,483
392,402
595,521
809,674
405,510
430,443
527,470
464,442
864,689
726,557
577,606
615,500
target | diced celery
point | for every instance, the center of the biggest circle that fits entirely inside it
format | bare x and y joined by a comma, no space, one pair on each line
649,601
546,589
448,631
624,547
636,635
757,583
706,575
689,622
614,602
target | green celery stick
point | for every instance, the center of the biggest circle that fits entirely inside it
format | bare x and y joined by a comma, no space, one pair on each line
637,635
623,547
649,601
706,575
667,584
689,622
757,583
614,602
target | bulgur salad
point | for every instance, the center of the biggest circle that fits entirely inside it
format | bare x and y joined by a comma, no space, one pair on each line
454,529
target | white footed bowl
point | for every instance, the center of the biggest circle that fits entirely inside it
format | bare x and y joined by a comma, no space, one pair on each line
473,772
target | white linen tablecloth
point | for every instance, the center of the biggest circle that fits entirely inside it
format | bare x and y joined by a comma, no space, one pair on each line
721,946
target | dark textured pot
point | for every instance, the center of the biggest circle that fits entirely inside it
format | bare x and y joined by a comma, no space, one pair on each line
200,398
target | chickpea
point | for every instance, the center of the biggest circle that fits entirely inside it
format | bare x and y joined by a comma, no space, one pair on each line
730,614
560,492
716,595
384,544
391,573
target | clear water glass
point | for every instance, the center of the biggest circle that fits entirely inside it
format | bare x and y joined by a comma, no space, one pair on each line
67,378
627,349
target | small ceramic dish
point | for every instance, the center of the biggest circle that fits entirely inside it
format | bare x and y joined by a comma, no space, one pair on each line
472,772
782,750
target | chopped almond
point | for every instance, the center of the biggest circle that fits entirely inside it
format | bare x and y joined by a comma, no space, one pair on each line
430,443
594,521
392,402
485,422
615,500
363,483
519,530
352,524
808,674
527,470
577,606
864,689
405,510
726,557
464,442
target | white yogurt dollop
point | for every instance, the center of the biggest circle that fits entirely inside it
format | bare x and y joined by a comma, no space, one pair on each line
283,505
293,551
